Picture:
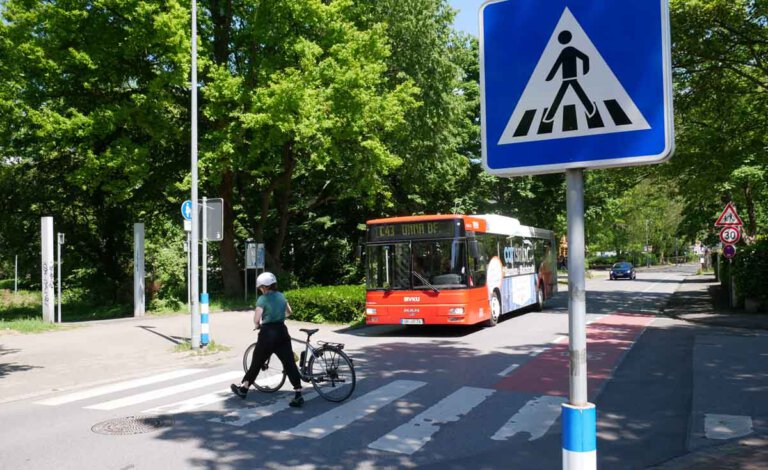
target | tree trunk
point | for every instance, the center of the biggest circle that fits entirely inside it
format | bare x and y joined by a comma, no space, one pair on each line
283,196
751,216
230,270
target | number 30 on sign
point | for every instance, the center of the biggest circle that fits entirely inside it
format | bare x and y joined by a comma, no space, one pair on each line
730,235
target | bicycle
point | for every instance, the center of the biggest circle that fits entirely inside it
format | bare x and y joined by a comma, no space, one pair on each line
329,369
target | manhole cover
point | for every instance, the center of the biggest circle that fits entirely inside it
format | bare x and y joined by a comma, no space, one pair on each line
132,425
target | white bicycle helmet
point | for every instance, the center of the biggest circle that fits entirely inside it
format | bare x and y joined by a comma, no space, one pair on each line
265,279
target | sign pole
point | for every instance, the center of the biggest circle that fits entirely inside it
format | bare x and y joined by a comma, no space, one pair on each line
579,416
189,275
195,336
16,275
204,300
204,238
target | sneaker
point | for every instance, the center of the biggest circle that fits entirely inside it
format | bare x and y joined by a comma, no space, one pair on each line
297,401
241,392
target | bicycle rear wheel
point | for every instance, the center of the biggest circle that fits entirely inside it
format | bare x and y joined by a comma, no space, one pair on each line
332,374
271,376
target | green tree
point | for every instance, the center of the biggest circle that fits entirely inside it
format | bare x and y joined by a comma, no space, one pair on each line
91,118
720,59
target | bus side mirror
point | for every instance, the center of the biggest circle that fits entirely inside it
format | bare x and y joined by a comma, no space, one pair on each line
474,252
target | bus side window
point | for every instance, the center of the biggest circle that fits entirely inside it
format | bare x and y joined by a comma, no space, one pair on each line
481,251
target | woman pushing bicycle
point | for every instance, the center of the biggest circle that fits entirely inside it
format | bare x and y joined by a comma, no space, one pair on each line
271,311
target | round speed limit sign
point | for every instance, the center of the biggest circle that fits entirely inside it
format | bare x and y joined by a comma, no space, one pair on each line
730,235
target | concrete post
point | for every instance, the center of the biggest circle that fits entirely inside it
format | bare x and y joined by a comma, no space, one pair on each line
46,251
138,270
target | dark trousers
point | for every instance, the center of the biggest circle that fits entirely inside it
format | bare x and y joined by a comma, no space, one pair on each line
274,338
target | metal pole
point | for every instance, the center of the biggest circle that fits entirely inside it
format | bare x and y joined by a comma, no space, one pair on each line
246,284
58,273
16,275
577,288
579,417
195,294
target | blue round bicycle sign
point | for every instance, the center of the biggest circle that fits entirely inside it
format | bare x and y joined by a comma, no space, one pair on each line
186,210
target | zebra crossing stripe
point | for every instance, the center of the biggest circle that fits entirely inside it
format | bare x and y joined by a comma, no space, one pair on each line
248,415
341,416
165,392
191,404
118,387
535,418
413,435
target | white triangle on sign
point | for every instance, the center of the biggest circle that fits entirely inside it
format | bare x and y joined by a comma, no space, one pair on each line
562,61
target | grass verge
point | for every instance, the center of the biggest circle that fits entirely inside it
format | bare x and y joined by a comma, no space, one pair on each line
212,348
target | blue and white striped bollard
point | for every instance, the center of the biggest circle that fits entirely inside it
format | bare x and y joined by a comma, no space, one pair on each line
204,330
579,437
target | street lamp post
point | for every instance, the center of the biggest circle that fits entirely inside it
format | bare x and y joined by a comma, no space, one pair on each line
195,224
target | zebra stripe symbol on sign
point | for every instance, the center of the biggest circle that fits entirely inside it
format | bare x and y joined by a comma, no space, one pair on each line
571,93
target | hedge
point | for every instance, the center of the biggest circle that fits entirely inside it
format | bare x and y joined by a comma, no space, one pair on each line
334,304
750,269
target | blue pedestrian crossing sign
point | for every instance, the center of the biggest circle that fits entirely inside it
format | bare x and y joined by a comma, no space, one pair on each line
574,84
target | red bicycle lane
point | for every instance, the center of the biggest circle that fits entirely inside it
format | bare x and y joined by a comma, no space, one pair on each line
608,341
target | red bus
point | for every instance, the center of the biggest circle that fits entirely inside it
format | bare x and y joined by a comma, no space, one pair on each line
455,269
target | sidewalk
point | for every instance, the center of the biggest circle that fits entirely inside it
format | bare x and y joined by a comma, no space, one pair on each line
700,300
93,353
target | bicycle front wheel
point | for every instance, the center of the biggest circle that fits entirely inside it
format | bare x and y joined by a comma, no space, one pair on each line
332,374
271,376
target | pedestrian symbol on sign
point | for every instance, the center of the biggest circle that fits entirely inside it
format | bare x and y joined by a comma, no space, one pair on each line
569,62
597,104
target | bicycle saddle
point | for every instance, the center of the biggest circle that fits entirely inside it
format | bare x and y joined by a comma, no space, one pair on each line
309,332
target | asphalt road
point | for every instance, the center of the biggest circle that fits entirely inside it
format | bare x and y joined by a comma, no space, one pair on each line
430,397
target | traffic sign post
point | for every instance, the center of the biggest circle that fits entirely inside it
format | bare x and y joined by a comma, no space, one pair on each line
730,235
729,217
568,85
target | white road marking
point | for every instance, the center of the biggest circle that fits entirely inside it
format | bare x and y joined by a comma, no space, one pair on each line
341,416
118,387
509,369
727,426
191,404
248,415
413,435
534,418
165,392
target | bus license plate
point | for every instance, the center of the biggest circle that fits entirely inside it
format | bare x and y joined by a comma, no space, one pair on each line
412,321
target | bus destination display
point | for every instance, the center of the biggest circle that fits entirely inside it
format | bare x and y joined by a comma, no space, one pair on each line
414,230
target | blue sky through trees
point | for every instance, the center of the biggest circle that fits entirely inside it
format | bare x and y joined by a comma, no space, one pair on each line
466,19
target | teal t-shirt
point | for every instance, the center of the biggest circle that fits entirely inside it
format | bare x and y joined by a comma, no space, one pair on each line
274,304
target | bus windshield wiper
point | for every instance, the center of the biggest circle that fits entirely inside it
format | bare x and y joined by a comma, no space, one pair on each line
426,283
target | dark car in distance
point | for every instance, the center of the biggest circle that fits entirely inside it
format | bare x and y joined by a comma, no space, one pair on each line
623,270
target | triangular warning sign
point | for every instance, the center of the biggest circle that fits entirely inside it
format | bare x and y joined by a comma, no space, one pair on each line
571,93
729,217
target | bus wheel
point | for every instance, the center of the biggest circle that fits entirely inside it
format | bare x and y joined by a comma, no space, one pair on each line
539,306
495,310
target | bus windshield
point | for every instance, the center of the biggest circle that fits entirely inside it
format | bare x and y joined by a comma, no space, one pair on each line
429,264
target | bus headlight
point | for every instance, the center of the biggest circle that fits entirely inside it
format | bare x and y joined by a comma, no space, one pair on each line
456,311
370,311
